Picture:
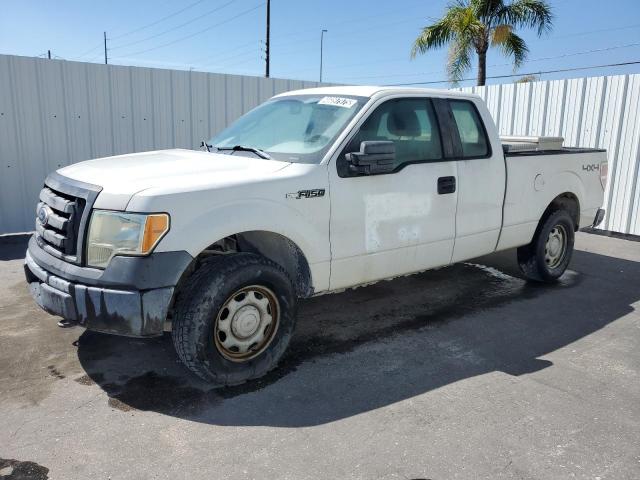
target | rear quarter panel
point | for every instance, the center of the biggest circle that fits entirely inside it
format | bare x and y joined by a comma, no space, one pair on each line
534,181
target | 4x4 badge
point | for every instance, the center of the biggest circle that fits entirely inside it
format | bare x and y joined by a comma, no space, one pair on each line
316,192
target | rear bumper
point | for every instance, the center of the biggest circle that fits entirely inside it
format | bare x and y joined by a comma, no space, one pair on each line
591,217
118,309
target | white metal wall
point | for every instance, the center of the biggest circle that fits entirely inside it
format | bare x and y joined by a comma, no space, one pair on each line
602,112
54,113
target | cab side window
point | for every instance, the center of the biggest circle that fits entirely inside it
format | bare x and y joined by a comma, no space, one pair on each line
410,123
470,128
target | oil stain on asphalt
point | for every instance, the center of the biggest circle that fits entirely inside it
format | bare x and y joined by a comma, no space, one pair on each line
17,470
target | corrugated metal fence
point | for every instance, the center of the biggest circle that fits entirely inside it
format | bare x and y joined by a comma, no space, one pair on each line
602,112
54,113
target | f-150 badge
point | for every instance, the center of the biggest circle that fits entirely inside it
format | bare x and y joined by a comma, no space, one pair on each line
316,192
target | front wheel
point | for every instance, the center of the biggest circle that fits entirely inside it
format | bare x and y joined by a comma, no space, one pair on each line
546,258
234,318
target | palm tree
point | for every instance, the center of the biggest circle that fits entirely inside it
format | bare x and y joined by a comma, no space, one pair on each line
469,25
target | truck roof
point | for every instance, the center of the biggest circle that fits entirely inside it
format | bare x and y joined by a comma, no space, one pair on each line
371,90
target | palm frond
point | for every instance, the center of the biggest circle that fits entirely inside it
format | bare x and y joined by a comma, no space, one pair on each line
432,37
475,25
459,59
514,46
528,13
440,33
468,23
486,10
500,33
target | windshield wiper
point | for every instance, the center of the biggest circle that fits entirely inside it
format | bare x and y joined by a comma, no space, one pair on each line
242,148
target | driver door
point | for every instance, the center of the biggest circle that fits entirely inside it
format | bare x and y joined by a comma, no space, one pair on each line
400,222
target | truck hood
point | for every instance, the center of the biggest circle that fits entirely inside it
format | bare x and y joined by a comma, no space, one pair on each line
123,176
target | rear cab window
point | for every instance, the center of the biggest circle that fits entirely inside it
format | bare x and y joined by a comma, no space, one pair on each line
473,137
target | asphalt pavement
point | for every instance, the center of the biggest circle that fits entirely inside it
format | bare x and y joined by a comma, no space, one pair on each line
464,372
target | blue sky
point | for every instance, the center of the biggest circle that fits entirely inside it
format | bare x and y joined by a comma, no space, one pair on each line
367,42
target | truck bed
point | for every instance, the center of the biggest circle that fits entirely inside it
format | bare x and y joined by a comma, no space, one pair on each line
529,153
551,169
538,145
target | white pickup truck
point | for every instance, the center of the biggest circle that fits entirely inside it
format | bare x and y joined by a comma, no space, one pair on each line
313,191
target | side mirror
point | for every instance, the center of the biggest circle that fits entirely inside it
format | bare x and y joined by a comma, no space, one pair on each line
373,158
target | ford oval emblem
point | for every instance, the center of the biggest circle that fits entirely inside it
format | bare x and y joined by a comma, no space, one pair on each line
43,215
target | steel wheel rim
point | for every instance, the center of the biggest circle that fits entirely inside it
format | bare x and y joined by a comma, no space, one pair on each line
246,323
556,246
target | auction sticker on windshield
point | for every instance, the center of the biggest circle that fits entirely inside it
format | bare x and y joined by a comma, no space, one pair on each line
338,102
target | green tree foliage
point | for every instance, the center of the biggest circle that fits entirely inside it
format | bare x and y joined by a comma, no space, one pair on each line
470,26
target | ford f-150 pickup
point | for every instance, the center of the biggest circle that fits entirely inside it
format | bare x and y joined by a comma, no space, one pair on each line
313,191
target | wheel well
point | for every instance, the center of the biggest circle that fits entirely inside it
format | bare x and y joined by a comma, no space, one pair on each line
565,201
273,246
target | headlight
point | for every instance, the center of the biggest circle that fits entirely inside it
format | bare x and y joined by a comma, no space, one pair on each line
119,233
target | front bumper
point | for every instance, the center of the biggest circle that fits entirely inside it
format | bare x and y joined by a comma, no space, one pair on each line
130,297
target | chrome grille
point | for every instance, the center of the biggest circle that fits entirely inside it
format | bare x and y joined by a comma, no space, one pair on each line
57,219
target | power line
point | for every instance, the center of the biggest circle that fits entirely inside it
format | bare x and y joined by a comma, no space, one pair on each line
540,72
241,62
597,50
349,21
88,51
95,57
374,27
578,34
349,33
290,34
398,59
219,61
118,47
186,37
356,40
158,21
209,56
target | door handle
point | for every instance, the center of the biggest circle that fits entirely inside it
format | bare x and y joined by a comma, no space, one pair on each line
446,185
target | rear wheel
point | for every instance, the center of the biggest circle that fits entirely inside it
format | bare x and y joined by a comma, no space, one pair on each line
546,258
234,318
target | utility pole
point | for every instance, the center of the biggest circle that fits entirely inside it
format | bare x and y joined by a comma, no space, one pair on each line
321,45
105,48
49,54
268,44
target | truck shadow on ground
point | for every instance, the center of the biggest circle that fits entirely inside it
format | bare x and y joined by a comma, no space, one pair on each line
371,347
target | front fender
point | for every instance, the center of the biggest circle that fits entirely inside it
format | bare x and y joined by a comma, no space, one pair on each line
201,230
199,219
203,216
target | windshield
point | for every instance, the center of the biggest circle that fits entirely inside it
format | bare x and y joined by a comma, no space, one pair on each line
296,128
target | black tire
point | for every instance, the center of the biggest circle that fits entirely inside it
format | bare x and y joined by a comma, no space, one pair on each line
534,259
199,305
